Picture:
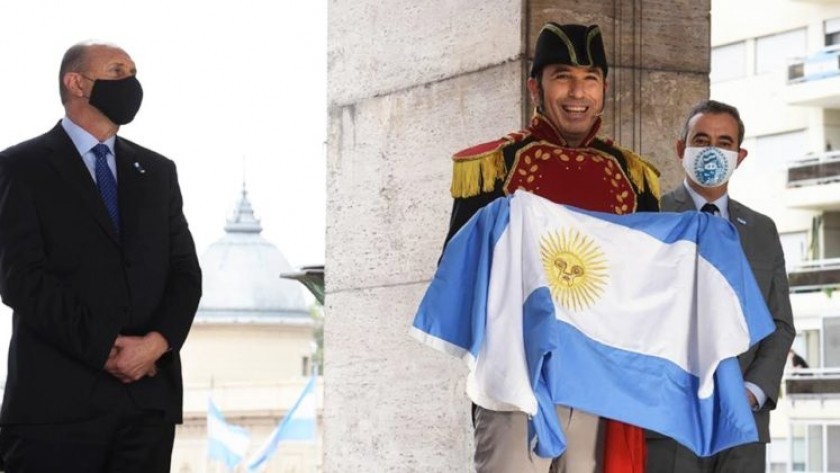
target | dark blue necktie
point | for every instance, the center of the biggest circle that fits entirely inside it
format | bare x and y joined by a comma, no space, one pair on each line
710,209
107,184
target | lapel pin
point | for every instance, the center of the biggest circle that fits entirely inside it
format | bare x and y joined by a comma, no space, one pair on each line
741,221
139,168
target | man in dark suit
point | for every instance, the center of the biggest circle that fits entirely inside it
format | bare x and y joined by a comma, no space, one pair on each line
100,269
710,150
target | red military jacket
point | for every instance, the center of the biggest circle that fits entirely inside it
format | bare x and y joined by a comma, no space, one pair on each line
598,175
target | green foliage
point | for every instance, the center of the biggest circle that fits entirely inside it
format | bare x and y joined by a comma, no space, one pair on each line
316,311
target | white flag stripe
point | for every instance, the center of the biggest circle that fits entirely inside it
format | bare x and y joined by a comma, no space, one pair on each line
237,440
500,380
620,316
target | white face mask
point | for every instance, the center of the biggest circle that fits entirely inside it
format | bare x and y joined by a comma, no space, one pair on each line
710,166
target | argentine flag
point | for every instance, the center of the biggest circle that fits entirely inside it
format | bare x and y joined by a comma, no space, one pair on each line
637,318
226,442
297,425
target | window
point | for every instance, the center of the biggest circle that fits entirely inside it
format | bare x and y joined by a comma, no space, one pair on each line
797,446
306,366
831,342
815,448
773,52
728,62
807,345
774,152
832,32
833,447
794,246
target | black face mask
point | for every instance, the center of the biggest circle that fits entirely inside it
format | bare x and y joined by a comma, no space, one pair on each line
119,100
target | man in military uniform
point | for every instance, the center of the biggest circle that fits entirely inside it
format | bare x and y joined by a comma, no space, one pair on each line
558,157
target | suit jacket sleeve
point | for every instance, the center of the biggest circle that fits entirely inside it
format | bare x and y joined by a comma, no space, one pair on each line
174,315
44,305
766,368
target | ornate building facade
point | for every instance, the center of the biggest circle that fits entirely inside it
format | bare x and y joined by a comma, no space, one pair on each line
250,349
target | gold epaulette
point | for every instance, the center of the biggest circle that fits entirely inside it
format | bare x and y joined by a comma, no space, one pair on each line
642,173
476,169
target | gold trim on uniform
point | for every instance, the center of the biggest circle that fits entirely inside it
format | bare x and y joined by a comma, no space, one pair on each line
473,174
477,175
642,173
562,35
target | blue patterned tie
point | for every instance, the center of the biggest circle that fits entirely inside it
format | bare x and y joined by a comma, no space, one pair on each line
107,184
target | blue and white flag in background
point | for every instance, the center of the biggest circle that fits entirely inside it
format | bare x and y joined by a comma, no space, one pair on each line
226,442
297,425
636,318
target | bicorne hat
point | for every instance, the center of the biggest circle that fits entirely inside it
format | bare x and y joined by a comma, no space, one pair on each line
574,45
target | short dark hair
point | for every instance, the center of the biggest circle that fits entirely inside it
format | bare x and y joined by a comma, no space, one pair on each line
713,106
73,61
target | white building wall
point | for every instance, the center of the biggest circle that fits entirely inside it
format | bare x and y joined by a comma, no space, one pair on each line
761,101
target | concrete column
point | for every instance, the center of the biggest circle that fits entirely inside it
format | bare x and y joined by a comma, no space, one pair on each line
410,83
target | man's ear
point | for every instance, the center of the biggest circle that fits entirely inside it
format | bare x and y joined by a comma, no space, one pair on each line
73,84
534,91
742,155
680,149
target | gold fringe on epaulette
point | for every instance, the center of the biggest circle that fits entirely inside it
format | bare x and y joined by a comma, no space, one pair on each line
642,173
473,176
652,179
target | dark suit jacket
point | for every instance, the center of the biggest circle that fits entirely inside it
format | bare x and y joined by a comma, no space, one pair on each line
764,363
74,284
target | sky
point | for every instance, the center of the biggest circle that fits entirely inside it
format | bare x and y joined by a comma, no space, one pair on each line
233,90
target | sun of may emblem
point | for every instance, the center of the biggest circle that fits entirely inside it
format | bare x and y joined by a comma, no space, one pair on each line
575,267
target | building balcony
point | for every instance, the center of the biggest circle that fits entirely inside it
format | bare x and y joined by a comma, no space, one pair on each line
815,80
813,183
812,382
815,275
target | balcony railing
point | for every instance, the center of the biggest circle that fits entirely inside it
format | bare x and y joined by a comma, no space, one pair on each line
815,170
820,65
802,382
815,275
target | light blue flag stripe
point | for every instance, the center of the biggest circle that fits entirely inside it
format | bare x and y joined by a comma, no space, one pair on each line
218,447
462,280
289,428
637,389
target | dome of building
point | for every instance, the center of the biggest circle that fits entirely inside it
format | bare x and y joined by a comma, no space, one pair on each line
241,276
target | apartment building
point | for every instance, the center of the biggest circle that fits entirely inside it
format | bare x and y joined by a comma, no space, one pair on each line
778,61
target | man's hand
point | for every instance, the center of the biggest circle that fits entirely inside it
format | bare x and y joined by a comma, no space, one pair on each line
752,400
132,358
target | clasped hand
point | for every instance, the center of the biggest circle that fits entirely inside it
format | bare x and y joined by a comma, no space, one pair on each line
134,357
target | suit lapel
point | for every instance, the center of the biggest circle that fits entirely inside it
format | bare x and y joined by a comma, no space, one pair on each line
683,200
739,218
66,160
129,182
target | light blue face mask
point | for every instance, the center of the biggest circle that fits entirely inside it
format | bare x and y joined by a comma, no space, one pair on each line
709,166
